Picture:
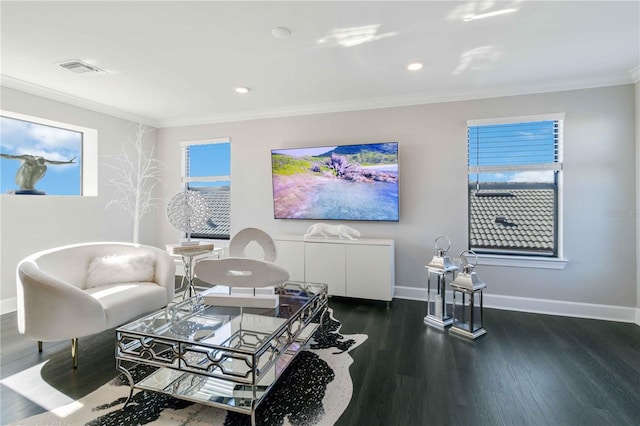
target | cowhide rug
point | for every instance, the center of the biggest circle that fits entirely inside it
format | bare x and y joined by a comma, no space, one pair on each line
314,390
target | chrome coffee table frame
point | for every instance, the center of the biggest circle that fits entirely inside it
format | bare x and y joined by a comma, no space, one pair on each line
220,356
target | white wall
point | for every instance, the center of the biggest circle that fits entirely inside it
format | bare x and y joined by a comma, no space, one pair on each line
32,223
599,180
637,211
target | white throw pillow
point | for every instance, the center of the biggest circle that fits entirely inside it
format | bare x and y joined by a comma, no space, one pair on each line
120,269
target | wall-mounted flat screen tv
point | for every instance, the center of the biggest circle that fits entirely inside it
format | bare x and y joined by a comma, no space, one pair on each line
344,182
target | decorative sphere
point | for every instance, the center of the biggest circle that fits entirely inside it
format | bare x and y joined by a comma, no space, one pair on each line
187,211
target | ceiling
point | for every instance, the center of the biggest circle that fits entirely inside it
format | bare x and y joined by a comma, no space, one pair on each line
172,63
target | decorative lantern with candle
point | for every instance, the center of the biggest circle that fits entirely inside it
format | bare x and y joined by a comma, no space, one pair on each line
466,321
439,269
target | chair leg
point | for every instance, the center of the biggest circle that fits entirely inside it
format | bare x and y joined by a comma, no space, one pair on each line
39,345
74,352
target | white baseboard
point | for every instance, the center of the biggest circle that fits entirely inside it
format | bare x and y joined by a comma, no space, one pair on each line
410,293
540,306
8,305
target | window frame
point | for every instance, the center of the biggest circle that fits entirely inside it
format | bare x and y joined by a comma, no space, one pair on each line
521,258
185,180
89,148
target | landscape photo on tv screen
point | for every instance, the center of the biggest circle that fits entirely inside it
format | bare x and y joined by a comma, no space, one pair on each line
344,182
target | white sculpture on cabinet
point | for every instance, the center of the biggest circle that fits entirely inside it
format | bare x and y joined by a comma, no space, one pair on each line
327,231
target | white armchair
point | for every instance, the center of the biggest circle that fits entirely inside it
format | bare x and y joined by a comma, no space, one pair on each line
82,289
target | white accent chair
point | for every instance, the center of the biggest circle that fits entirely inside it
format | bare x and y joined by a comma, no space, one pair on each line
55,303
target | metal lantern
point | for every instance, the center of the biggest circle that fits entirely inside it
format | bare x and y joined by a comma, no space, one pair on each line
440,267
467,318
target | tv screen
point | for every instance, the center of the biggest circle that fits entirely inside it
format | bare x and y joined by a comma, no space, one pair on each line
344,182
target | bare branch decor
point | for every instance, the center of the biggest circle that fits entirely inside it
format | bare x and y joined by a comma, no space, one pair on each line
137,174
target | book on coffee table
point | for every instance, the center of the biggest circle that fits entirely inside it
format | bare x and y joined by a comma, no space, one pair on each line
193,248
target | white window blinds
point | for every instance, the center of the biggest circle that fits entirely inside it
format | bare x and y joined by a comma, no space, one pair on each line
524,146
207,162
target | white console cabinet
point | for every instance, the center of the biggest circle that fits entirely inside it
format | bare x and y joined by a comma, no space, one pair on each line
364,268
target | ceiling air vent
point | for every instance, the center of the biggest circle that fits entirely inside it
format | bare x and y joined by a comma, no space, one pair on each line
80,67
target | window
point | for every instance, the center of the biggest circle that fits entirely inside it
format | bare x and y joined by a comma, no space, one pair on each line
515,168
45,157
207,170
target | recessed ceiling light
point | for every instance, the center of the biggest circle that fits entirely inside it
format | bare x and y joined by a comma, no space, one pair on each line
281,32
415,66
242,90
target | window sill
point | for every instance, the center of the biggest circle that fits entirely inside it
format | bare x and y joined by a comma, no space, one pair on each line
522,261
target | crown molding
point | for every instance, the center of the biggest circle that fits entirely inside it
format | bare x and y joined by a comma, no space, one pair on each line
34,89
635,74
326,108
399,101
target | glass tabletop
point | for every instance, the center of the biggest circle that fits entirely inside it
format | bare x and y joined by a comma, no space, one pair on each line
240,328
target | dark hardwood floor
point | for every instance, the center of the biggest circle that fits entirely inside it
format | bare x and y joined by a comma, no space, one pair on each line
528,370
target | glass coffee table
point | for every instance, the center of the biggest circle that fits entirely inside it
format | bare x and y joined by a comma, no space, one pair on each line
227,357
